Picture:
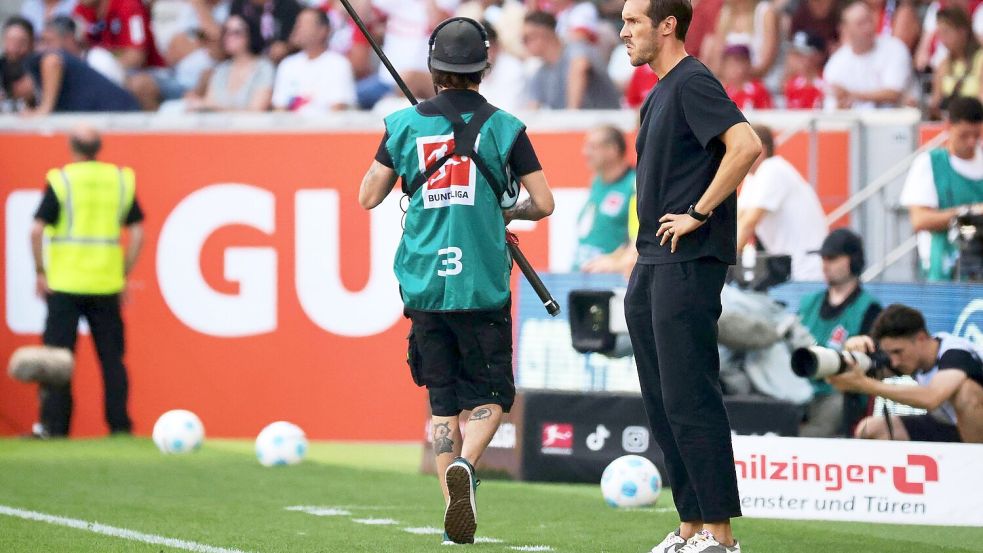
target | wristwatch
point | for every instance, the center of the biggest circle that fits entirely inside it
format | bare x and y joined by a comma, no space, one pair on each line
692,212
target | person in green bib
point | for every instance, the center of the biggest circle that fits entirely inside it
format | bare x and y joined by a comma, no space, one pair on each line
844,309
602,226
82,270
459,159
942,183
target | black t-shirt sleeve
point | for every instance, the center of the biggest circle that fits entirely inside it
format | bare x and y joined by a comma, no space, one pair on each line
523,159
135,215
962,360
707,108
868,321
49,209
382,154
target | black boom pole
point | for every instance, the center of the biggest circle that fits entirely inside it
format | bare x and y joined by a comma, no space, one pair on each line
549,303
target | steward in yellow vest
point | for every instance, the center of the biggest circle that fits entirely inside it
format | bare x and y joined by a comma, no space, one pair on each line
81,271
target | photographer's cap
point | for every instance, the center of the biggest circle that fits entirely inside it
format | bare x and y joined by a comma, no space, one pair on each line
459,45
841,242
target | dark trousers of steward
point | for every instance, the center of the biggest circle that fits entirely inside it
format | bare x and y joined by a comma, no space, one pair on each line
672,311
102,312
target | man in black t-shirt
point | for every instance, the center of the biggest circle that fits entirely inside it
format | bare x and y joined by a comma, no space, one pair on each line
694,148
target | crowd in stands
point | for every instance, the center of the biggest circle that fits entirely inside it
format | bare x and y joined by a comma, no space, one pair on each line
308,55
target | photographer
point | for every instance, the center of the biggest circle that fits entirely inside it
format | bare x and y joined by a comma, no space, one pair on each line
949,372
944,182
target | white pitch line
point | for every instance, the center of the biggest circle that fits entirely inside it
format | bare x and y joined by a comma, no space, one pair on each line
485,539
531,548
376,521
113,531
424,531
320,511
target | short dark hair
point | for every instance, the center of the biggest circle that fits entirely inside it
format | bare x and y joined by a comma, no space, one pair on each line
541,19
767,138
446,79
965,109
898,321
63,25
682,10
321,17
614,137
18,21
85,148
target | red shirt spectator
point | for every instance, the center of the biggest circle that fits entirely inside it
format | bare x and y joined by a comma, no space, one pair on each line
804,93
750,95
119,25
705,15
642,81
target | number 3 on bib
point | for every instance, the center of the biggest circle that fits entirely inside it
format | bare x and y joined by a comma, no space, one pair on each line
452,262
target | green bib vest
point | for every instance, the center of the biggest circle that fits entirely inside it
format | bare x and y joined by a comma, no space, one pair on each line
84,254
452,255
953,190
603,221
832,333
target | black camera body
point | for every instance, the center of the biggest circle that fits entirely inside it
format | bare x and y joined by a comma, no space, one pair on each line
969,239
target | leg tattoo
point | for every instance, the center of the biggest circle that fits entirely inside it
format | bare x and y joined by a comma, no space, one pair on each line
442,442
481,414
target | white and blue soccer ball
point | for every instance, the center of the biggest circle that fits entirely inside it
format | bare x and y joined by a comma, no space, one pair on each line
281,443
178,431
631,481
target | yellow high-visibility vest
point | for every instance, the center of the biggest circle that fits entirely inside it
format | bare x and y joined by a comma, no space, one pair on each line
84,254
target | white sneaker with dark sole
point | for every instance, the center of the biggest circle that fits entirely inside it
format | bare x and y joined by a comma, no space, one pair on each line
461,516
704,542
672,544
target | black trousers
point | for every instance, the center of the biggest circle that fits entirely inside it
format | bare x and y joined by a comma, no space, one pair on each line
61,329
672,313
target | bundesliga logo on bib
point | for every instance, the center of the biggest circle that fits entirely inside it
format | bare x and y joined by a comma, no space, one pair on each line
454,182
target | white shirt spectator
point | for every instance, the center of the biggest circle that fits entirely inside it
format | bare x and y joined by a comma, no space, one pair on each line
37,13
919,189
105,62
314,85
581,16
795,223
505,85
407,33
886,66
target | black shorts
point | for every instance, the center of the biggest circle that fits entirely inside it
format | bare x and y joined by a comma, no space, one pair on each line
464,358
926,428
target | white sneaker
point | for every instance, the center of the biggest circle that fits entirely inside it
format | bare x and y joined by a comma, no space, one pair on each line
704,542
671,544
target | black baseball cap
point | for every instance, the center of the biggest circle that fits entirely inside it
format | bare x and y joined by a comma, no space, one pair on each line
841,242
459,45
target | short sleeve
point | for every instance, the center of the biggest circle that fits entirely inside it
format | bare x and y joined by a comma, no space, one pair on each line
708,110
523,159
382,154
764,189
962,360
919,185
134,215
49,208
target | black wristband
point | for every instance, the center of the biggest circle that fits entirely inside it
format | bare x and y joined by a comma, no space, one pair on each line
692,212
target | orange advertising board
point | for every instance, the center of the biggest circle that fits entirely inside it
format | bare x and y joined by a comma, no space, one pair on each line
264,292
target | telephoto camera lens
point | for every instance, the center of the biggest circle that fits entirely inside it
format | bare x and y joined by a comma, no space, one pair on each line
817,362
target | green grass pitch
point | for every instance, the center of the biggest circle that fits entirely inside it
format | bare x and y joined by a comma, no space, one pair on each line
222,498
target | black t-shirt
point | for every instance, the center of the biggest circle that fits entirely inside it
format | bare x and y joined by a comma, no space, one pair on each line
522,158
679,151
50,209
963,360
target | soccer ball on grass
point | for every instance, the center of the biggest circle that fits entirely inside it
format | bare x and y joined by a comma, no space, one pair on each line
631,481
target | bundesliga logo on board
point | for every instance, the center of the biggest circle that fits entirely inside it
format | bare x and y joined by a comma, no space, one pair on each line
454,182
557,439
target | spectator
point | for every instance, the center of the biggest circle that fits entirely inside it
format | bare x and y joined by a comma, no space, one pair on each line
930,52
314,80
804,64
602,226
576,20
273,20
702,27
64,84
408,27
780,209
504,85
947,368
868,70
348,40
18,39
623,259
572,76
82,271
643,80
61,33
941,183
244,81
961,72
122,27
735,74
198,22
751,23
506,17
897,18
819,18
40,12
833,315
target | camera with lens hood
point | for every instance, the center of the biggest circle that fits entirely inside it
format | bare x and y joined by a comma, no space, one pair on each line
817,362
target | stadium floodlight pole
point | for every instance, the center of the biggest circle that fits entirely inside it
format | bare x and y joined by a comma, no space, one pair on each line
511,240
